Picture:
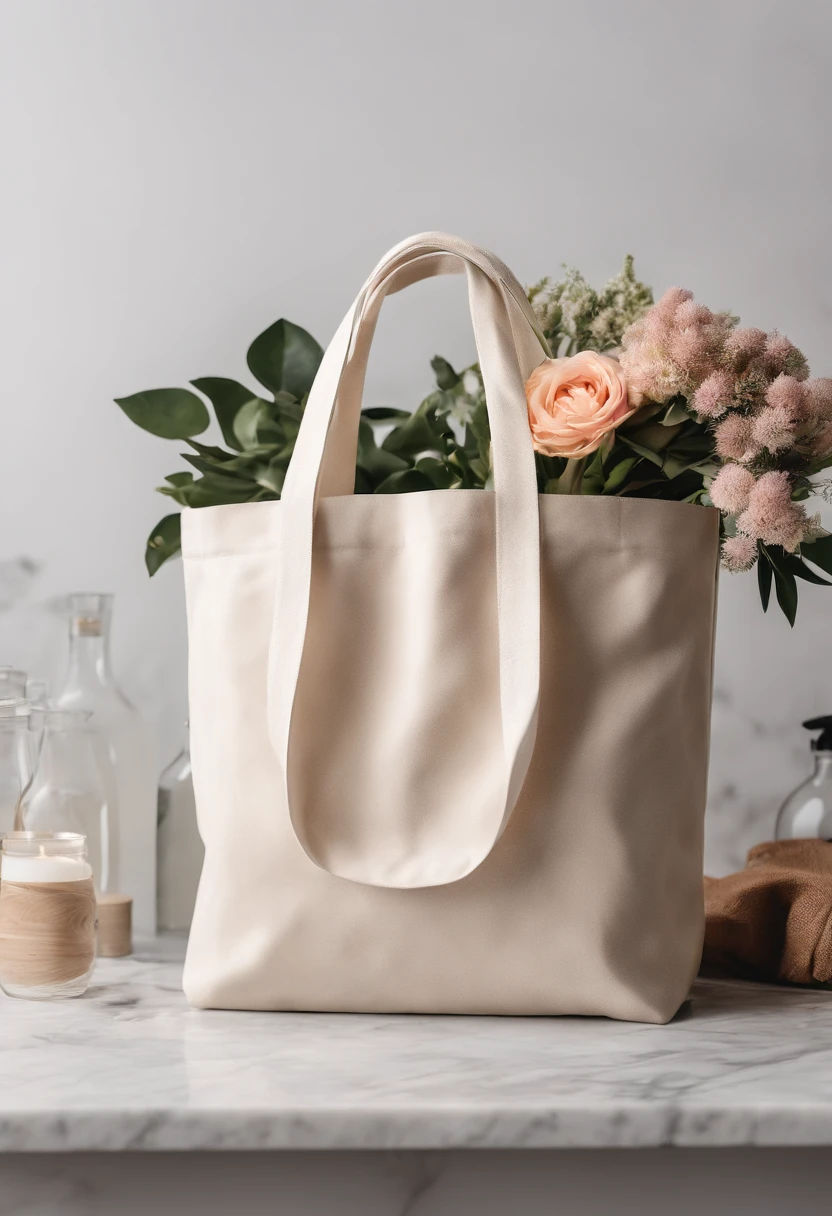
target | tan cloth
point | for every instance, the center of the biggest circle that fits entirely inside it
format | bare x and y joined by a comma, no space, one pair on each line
773,920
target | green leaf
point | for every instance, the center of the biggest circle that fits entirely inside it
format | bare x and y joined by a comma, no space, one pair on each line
384,413
441,476
676,413
285,358
791,562
250,420
213,490
272,475
785,586
164,542
818,552
170,413
408,481
416,435
647,453
375,461
177,487
765,573
619,474
446,377
226,396
231,481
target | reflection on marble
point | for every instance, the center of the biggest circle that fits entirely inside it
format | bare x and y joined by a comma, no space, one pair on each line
129,1066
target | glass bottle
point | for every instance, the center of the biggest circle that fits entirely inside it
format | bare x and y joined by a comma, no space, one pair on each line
807,812
12,684
179,848
124,736
15,759
68,792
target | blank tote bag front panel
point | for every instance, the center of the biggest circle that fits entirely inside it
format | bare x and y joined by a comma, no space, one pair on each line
449,748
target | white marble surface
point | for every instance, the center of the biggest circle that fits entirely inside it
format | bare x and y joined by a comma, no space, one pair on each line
130,1067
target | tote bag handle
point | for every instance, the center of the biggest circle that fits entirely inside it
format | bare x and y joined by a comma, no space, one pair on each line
510,346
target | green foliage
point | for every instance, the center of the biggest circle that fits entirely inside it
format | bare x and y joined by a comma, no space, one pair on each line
661,452
170,413
164,542
285,358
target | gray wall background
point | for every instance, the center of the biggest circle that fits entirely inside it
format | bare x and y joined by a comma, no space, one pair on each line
179,173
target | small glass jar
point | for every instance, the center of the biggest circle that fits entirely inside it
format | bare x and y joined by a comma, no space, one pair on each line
47,915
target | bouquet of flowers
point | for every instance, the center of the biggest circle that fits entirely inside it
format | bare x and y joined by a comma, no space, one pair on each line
659,400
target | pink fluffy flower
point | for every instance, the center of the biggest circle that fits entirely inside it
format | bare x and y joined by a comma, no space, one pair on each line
735,438
821,441
788,394
774,428
743,345
781,355
731,488
739,553
671,300
771,516
713,396
819,398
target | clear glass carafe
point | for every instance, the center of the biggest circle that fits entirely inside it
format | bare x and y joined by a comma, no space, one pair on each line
15,760
91,685
12,684
179,849
69,789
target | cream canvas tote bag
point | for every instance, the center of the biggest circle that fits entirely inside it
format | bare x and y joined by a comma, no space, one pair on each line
449,748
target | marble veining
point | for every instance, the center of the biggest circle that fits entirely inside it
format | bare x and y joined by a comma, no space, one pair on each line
131,1067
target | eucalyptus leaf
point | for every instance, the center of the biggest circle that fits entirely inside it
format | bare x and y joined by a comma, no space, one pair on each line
214,490
408,481
416,435
248,421
285,358
177,487
441,476
170,413
164,542
226,396
231,480
384,413
375,461
271,476
446,377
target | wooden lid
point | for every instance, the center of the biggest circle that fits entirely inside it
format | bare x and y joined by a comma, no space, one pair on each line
115,926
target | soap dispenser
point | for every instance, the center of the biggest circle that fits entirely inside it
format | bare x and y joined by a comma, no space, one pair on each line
807,813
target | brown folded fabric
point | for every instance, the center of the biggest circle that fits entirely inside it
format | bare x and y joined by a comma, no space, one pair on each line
773,920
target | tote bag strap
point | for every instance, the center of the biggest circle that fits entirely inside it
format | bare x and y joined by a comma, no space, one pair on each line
509,346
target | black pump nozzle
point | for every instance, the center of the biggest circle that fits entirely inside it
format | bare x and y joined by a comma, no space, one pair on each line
823,743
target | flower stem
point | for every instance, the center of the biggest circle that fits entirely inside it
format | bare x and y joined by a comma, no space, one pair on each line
572,476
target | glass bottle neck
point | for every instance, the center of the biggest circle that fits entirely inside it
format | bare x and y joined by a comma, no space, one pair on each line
89,662
823,765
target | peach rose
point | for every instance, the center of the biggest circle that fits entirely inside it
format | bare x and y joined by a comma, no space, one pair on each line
573,403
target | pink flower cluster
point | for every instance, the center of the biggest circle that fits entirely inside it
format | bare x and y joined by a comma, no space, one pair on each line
771,423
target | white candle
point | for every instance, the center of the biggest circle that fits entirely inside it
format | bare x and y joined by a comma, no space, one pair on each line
43,868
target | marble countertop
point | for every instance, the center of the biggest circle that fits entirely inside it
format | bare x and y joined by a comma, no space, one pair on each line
131,1067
